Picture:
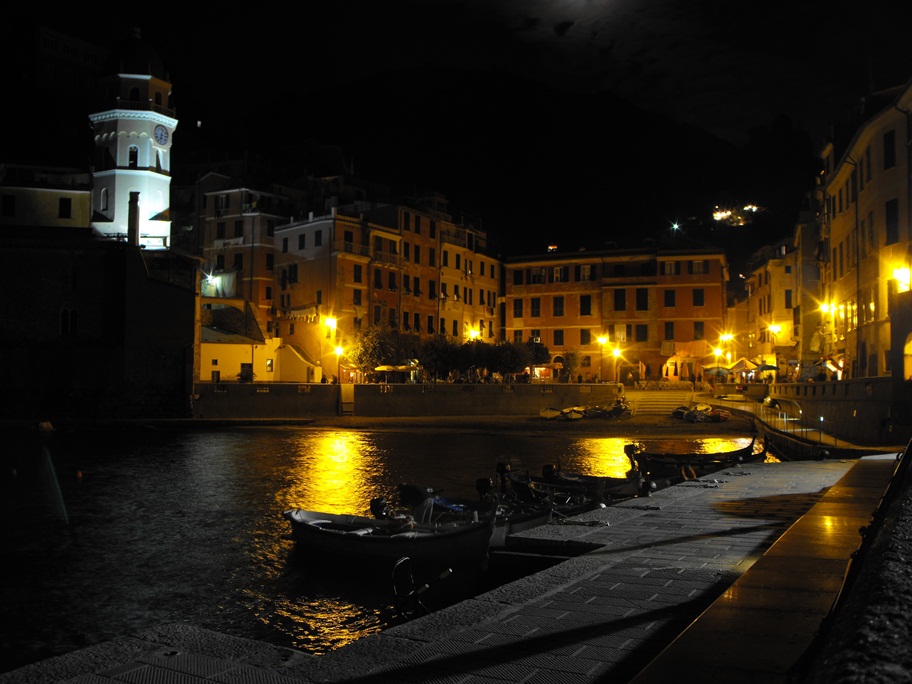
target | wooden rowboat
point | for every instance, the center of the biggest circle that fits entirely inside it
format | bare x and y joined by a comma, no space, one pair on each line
361,540
659,464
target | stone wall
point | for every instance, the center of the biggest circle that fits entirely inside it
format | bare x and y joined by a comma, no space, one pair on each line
281,400
862,411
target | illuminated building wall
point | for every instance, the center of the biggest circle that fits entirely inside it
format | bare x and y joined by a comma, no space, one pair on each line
647,303
865,234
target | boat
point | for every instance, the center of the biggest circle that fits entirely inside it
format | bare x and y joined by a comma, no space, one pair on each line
511,513
701,413
690,466
619,408
562,487
573,412
380,543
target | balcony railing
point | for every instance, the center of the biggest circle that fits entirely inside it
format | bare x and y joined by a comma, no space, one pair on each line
352,248
387,258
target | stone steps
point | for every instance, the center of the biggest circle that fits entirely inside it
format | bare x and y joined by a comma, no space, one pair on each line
657,401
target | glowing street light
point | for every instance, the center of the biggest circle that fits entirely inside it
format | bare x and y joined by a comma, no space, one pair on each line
616,352
330,324
339,352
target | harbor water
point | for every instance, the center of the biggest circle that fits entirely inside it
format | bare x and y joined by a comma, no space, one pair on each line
109,533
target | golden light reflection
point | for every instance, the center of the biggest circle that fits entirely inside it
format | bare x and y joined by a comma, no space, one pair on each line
324,624
604,456
332,474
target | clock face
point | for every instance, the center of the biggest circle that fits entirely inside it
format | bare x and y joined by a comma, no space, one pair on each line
161,135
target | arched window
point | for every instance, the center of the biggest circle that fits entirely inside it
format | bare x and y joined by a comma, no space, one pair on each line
158,99
134,157
104,199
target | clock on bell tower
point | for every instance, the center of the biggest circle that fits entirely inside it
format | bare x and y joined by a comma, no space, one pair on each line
133,136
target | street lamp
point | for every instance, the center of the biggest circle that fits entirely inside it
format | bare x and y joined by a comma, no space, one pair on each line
339,351
330,324
616,352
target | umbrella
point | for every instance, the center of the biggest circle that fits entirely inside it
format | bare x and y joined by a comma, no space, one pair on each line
766,367
742,364
716,370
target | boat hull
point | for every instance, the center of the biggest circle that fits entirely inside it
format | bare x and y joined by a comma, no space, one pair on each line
362,540
657,464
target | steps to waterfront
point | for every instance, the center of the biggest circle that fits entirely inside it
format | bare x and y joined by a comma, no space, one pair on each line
655,402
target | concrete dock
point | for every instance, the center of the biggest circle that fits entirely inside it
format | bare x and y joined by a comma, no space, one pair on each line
726,578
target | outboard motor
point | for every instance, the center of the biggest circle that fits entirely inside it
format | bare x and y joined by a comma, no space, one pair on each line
503,469
379,508
550,470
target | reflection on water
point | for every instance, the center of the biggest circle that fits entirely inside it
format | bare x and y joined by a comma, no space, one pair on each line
334,472
186,526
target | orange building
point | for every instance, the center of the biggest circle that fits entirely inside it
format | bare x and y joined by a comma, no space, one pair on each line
623,314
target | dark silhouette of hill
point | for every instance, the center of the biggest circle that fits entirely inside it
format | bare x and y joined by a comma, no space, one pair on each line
533,163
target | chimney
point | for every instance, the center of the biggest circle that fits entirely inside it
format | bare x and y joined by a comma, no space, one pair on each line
133,220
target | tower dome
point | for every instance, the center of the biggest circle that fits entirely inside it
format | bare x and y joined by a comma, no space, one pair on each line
135,56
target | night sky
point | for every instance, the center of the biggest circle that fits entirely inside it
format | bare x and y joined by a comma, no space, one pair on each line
602,120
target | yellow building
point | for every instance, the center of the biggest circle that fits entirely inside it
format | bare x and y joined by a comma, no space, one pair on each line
865,236
772,303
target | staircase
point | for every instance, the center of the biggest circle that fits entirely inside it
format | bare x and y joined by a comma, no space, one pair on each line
657,401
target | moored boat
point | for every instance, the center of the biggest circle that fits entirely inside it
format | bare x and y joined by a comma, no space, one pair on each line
511,513
381,542
561,486
689,466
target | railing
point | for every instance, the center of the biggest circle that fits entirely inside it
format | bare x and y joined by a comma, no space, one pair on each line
387,258
352,248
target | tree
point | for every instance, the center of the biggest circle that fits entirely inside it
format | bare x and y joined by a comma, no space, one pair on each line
510,357
539,354
572,361
438,356
370,347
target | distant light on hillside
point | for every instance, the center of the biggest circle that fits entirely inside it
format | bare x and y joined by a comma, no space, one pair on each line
735,217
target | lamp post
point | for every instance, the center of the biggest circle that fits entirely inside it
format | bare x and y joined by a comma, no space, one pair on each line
339,351
616,352
330,323
602,340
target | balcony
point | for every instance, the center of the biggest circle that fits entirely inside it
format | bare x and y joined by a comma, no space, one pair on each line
386,258
228,242
351,248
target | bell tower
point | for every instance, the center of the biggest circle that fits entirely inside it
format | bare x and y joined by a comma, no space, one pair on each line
133,134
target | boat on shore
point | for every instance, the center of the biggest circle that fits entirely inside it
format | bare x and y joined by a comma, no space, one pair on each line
616,410
380,543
